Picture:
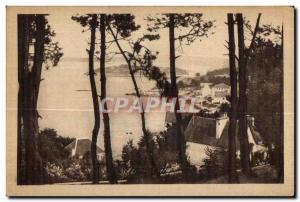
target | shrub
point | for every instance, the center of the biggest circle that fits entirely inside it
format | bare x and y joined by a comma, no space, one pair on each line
55,173
215,164
75,172
135,166
259,158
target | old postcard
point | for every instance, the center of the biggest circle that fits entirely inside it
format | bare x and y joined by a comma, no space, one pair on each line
150,101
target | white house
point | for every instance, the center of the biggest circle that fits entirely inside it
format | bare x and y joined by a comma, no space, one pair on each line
220,92
220,89
81,146
202,133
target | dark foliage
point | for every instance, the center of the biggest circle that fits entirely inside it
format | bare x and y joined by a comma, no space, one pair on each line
33,30
52,146
215,164
191,26
265,94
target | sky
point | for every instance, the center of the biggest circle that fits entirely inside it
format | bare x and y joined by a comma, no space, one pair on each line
212,48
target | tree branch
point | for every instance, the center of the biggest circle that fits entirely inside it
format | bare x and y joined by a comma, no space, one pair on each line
253,39
117,42
236,57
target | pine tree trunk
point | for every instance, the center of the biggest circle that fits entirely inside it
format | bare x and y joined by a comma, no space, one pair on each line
23,51
93,25
232,174
36,74
181,143
38,54
107,140
243,136
154,170
29,136
280,163
34,170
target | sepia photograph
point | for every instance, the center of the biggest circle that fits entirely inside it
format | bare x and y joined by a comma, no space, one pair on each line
150,101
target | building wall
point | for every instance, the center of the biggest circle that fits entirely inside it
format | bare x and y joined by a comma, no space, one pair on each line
219,100
205,89
217,91
220,125
73,152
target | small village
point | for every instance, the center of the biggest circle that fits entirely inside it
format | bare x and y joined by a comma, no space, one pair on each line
205,132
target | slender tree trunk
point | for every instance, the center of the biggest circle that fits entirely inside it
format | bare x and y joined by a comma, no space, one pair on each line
154,170
38,54
181,143
36,74
280,166
93,25
232,174
243,136
29,136
107,140
23,47
33,162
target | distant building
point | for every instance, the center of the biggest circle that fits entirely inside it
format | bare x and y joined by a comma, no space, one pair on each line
206,89
220,89
80,147
220,92
222,75
219,99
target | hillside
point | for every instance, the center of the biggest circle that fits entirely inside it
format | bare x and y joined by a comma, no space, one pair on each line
122,70
209,77
221,71
187,65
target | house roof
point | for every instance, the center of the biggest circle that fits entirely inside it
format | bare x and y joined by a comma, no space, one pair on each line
82,146
203,131
256,135
223,141
70,146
